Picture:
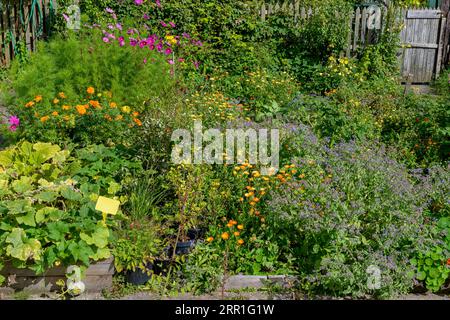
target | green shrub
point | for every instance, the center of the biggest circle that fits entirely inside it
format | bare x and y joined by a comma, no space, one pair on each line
76,62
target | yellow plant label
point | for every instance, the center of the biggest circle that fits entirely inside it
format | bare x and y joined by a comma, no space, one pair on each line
106,205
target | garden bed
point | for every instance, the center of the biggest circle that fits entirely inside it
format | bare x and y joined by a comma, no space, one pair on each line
98,277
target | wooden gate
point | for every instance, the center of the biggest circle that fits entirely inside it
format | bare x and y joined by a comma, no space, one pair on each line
423,43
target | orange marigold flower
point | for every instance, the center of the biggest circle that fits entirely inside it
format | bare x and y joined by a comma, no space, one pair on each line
108,117
66,107
38,98
135,114
90,90
66,118
94,103
81,109
210,239
55,101
138,122
29,104
43,119
113,105
225,236
237,233
240,242
240,227
62,95
119,117
55,113
229,225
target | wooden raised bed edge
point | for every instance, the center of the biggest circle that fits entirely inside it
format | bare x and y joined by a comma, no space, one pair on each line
97,277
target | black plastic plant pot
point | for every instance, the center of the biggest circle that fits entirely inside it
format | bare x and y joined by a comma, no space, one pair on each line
195,234
184,247
140,276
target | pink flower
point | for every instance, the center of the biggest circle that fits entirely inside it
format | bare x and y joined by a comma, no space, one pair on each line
138,2
105,39
168,51
158,3
119,26
145,60
121,41
109,10
133,42
196,64
14,122
146,17
180,60
171,61
66,17
163,24
172,24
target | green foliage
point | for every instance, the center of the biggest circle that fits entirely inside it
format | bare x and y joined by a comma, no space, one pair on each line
47,205
333,120
204,269
136,246
76,62
62,120
353,208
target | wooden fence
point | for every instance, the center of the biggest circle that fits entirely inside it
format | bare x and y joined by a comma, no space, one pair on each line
22,23
424,37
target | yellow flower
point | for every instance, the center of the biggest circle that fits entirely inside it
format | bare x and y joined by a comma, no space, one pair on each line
90,90
119,117
126,109
66,107
171,39
43,119
225,236
55,101
240,227
210,239
66,118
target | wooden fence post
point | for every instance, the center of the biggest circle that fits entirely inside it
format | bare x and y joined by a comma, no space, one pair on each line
445,7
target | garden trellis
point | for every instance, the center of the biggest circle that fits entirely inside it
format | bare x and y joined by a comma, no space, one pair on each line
22,23
424,38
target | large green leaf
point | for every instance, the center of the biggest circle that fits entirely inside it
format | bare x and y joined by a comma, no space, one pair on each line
27,219
23,185
44,152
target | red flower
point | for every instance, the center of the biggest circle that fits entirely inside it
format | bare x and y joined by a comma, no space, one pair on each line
448,261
